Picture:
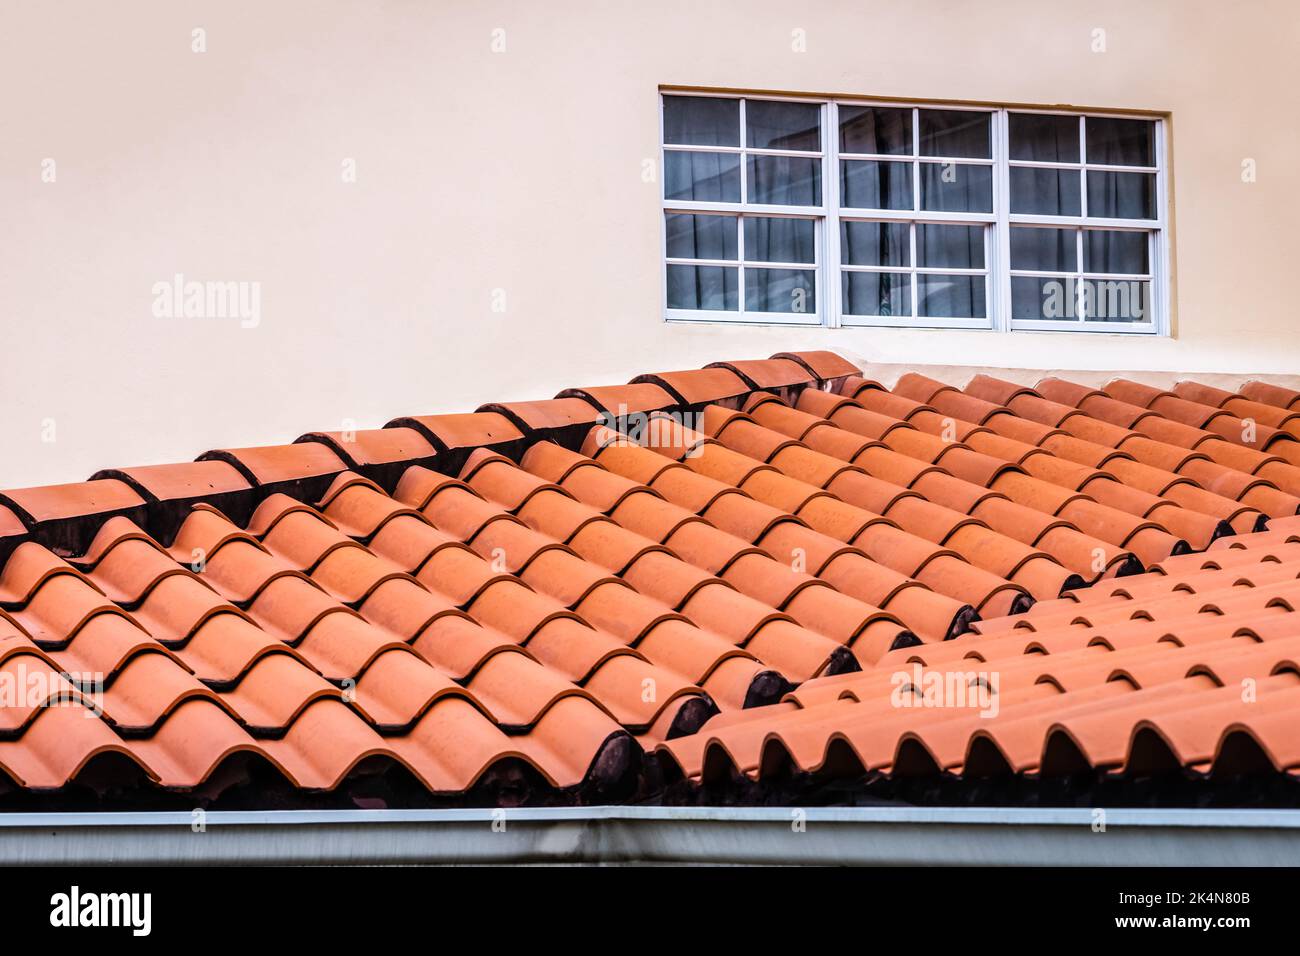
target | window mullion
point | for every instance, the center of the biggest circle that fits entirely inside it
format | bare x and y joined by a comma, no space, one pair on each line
916,161
740,220
1002,228
829,272
740,260
1080,314
1083,173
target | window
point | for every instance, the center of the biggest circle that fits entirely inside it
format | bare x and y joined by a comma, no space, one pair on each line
915,210
1082,217
855,213
744,210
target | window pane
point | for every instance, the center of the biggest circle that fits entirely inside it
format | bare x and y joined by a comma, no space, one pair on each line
877,293
701,121
950,247
1116,300
875,243
1121,195
780,239
700,237
1043,250
955,133
1121,142
1043,297
1046,192
956,187
785,180
1044,138
950,296
707,177
867,184
781,290
712,288
875,129
1115,251
772,125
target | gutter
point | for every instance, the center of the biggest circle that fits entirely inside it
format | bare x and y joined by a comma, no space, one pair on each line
719,835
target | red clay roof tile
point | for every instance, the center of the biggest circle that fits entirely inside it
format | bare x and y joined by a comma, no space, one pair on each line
769,373
375,446
546,415
10,523
815,545
826,366
281,463
462,430
699,386
622,400
64,502
189,480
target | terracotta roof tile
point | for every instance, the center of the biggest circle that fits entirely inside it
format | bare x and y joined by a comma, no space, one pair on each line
10,524
826,366
379,453
622,400
528,590
773,373
37,506
282,463
700,386
1273,395
550,418
189,481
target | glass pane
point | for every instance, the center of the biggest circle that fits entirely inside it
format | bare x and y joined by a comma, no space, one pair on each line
1121,195
1043,250
877,293
875,243
867,184
1043,297
1116,300
956,187
785,180
875,129
700,237
780,240
950,247
772,125
708,177
1044,138
1046,192
712,288
1115,252
781,290
960,297
701,121
1121,142
955,133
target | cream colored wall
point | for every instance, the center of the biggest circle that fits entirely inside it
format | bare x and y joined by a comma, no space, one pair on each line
522,171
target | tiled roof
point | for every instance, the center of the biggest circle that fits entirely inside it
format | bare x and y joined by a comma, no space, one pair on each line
708,574
1193,665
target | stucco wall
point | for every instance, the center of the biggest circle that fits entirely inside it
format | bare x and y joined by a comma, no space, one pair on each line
521,171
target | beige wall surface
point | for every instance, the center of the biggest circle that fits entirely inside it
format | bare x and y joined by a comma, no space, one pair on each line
520,172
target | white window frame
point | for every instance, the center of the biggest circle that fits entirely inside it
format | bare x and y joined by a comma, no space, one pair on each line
745,209
827,218
1157,242
916,216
